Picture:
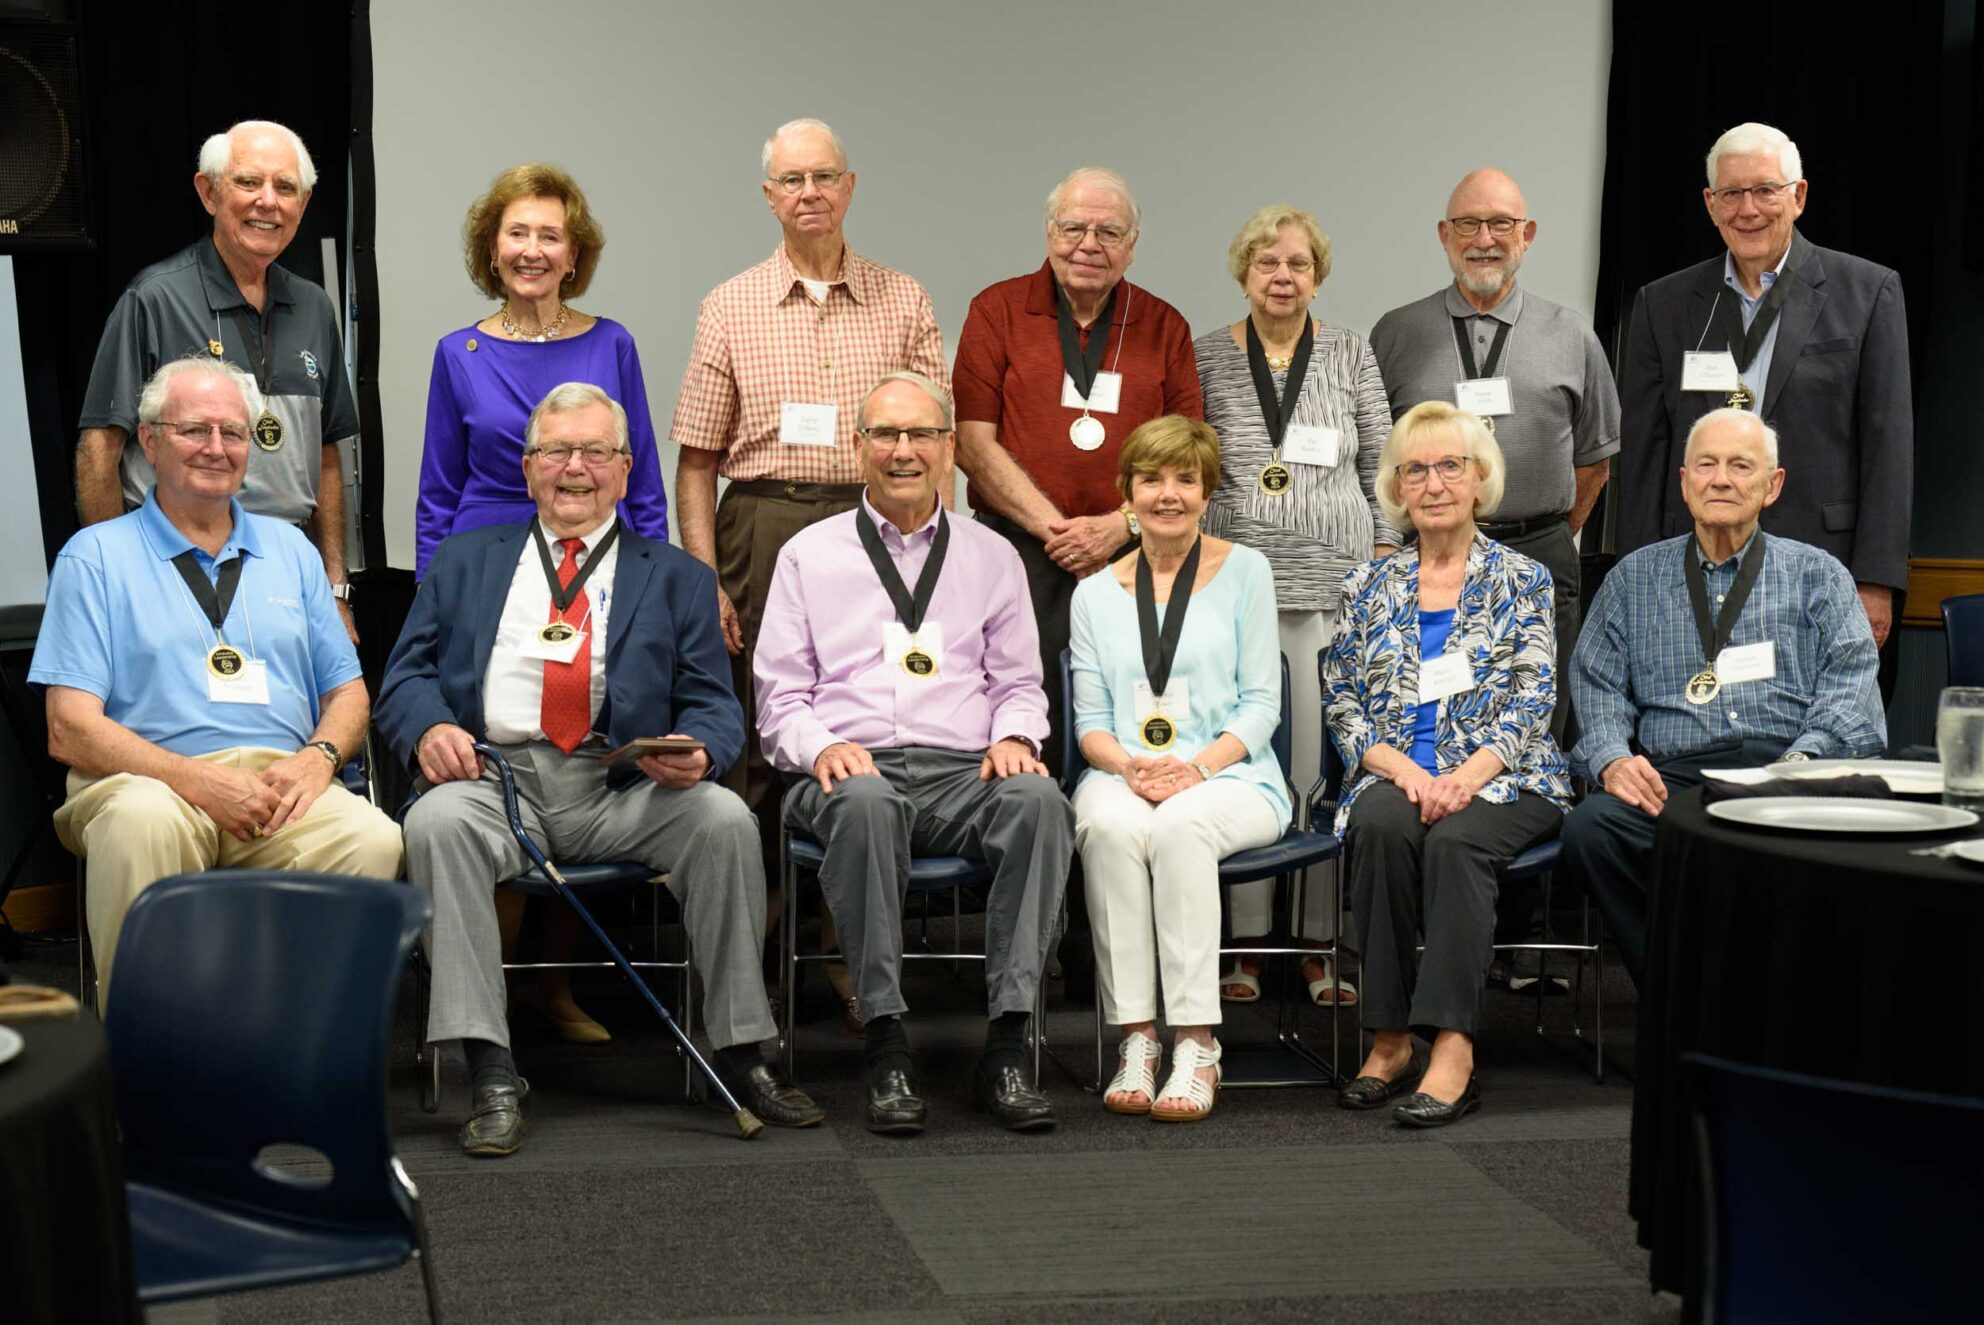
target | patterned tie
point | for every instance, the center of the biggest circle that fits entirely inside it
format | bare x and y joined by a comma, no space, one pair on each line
567,704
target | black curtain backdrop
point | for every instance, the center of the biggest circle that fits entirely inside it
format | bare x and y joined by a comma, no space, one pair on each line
157,80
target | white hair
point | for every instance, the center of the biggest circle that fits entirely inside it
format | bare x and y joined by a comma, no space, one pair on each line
1103,175
569,398
1753,139
796,126
917,380
151,400
217,153
1728,414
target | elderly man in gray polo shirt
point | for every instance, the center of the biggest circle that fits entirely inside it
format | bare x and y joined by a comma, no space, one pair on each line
1532,368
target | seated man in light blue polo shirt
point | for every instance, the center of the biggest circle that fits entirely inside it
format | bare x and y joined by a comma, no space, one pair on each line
199,683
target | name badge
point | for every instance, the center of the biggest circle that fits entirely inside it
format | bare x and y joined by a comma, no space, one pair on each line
807,425
1486,396
1105,395
1747,662
920,655
250,685
1310,444
562,650
1712,370
1449,673
1175,703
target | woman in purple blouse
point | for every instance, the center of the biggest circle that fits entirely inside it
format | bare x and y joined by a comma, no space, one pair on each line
531,242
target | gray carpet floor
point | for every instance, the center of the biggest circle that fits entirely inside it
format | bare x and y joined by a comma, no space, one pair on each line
629,1203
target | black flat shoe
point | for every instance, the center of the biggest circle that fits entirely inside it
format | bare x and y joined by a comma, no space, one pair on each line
779,1103
1003,1092
894,1107
1425,1111
495,1125
1372,1092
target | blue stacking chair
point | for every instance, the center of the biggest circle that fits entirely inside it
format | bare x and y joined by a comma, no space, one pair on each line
1963,636
254,1014
1284,861
1829,1200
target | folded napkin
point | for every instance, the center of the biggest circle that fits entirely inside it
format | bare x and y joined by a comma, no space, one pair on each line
1863,786
27,1002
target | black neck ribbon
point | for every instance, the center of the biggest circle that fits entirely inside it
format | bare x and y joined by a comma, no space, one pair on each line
1279,412
1160,649
213,601
1083,365
909,608
563,595
1715,636
1467,348
1745,344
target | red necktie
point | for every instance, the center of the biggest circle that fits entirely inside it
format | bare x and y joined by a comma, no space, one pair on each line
567,704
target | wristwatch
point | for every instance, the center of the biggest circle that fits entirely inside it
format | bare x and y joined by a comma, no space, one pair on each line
341,592
1205,774
1795,757
1130,519
331,752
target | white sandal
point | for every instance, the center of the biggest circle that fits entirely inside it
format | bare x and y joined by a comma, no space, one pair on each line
1340,992
1187,1057
1135,1073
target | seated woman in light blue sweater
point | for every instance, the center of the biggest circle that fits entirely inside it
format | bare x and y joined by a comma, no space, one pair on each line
1177,677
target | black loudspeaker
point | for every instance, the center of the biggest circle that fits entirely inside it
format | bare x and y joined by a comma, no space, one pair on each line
44,176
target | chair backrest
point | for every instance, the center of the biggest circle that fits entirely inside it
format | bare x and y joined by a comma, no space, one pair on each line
254,1008
1963,636
1072,762
1828,1200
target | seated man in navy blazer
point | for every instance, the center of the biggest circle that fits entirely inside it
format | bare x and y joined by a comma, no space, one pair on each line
557,641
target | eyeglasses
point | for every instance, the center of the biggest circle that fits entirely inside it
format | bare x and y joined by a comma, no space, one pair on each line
1106,234
593,453
1296,266
1767,197
887,436
792,181
1449,468
1467,227
194,432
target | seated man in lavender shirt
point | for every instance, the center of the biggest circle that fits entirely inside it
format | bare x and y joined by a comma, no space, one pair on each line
899,668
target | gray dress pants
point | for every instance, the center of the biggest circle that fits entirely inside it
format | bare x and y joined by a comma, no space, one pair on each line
1407,878
459,846
931,802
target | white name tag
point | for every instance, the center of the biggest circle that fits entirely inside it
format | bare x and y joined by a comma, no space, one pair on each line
1747,662
807,425
1713,370
1175,705
250,685
1446,674
563,651
1310,444
1104,397
897,641
1484,395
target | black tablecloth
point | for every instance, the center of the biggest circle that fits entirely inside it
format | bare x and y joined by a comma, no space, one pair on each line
1833,954
65,1247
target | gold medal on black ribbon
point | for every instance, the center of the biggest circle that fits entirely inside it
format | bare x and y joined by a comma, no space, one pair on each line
1741,398
910,605
1275,478
1704,686
225,661
215,348
1488,422
1158,732
918,663
557,632
268,432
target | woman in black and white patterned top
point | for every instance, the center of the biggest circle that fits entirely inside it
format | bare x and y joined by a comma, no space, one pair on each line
1296,483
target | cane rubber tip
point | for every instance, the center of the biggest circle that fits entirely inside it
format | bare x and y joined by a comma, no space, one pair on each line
748,1125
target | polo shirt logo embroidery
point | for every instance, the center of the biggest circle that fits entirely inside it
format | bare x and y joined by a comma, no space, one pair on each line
309,363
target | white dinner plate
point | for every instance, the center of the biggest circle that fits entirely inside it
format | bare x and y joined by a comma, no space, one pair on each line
1971,851
11,1043
1905,777
1842,814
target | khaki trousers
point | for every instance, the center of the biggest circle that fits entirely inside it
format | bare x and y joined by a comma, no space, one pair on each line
132,831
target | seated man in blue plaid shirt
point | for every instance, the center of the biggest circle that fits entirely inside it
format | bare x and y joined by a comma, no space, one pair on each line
1726,646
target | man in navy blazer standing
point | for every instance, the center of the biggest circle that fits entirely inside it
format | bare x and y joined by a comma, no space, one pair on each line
557,641
1812,340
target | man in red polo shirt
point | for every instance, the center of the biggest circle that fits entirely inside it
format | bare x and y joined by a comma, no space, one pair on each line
1054,370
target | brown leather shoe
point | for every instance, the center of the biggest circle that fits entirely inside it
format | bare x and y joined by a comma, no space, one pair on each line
495,1126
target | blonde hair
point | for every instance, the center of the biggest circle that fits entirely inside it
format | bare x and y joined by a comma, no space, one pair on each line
1171,440
533,179
1263,229
1477,443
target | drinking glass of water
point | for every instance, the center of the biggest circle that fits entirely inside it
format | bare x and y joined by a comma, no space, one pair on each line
1960,742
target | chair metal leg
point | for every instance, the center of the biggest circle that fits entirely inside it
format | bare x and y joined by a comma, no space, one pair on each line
788,948
422,1251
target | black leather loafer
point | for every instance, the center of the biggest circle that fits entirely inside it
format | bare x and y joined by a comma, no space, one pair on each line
1015,1105
1425,1111
894,1107
779,1103
1373,1092
495,1125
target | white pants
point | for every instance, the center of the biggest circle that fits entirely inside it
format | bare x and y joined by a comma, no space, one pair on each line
1153,891
1303,636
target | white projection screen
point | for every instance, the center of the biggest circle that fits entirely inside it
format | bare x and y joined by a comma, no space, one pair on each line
958,118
